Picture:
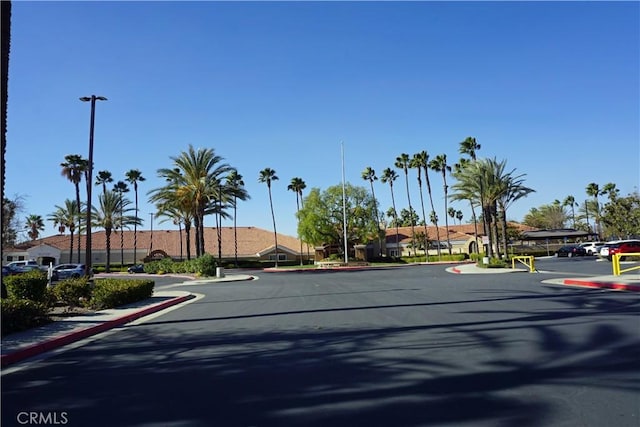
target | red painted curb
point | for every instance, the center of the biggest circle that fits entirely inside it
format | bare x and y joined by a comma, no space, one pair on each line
605,285
35,349
456,270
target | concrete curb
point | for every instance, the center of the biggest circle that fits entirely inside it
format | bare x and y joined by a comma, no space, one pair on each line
603,285
35,349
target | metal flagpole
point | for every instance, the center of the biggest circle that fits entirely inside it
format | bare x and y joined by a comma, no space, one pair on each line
344,209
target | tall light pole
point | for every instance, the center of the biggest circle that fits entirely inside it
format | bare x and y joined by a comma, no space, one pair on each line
89,177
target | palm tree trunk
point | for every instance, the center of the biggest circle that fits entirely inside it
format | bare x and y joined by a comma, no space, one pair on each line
71,247
108,239
424,219
395,218
79,219
235,230
196,226
187,232
135,229
504,232
475,225
273,217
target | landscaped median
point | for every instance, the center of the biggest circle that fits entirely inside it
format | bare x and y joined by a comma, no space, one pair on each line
29,301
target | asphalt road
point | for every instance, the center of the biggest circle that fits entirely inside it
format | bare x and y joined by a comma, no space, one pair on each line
398,347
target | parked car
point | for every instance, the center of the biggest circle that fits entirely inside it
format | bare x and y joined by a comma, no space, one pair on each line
625,246
5,271
138,268
592,248
571,251
15,265
65,271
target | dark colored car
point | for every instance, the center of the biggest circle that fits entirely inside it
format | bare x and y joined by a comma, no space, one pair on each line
138,268
571,251
629,246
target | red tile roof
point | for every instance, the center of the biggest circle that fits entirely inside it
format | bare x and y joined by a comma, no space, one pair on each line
251,240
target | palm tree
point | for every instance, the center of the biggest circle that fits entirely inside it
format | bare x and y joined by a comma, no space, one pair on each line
389,175
73,169
424,161
268,175
134,176
174,202
111,208
369,174
34,225
236,184
403,162
469,147
65,216
452,213
439,164
170,211
593,190
513,189
195,178
120,188
103,178
417,162
297,185
571,201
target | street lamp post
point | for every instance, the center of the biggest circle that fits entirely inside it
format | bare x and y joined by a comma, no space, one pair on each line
89,176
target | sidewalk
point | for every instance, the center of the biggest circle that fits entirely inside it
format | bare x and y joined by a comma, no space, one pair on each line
19,346
624,282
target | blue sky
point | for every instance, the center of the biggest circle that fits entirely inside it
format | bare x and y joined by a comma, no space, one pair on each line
552,87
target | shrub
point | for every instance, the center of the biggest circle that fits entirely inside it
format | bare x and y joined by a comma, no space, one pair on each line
110,293
206,265
20,314
73,291
31,285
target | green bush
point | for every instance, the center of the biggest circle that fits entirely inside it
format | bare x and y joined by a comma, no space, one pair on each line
21,314
206,265
73,291
110,293
31,285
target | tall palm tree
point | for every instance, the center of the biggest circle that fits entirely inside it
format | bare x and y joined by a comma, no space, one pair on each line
417,162
235,183
103,178
470,147
439,164
134,176
268,175
195,178
73,169
369,174
571,201
389,175
34,224
593,190
65,216
111,210
424,161
403,162
297,185
120,188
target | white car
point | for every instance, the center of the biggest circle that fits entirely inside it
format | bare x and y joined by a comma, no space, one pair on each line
592,248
